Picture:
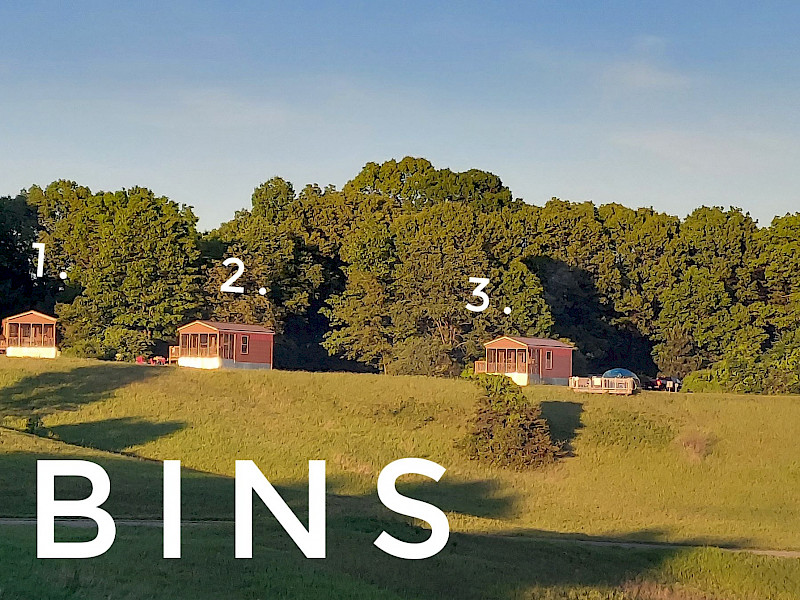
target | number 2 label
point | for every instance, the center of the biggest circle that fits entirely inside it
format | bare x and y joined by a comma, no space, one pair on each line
227,286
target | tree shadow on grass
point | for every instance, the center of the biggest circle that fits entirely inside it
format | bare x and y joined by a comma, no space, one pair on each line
51,391
482,498
564,420
114,435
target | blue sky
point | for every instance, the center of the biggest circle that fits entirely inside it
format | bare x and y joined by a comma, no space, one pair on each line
671,105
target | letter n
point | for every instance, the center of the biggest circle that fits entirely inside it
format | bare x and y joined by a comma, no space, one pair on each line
249,478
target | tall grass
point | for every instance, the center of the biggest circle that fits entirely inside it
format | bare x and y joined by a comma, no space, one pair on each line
705,469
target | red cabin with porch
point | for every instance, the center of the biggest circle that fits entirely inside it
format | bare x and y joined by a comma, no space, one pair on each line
30,334
215,345
528,360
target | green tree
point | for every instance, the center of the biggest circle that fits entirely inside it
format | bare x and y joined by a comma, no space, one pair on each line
272,199
133,266
414,183
18,231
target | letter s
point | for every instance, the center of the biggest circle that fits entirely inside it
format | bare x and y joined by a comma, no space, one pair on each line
394,501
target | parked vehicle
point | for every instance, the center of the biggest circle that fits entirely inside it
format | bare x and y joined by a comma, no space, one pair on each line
648,383
667,384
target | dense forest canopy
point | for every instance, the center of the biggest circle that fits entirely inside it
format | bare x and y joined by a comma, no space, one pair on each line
376,275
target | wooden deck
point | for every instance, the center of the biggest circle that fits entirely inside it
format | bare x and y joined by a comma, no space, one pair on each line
622,386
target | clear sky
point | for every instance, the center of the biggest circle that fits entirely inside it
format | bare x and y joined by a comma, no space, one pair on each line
670,105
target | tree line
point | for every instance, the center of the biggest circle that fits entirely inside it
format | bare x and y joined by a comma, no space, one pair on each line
375,276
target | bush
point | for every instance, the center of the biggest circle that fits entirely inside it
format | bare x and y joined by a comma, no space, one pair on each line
87,348
704,380
127,344
422,356
775,372
507,430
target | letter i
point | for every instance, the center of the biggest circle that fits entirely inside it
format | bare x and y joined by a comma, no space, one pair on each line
172,509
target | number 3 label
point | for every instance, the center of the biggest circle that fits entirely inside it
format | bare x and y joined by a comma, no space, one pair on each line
479,293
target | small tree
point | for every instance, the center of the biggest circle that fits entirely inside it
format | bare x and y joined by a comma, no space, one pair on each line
507,430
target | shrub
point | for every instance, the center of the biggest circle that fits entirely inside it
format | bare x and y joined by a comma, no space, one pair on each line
775,372
507,430
704,380
422,356
27,424
87,348
127,344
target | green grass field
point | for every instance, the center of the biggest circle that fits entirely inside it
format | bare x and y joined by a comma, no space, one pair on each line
692,469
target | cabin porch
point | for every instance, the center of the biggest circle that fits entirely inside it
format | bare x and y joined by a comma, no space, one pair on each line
520,364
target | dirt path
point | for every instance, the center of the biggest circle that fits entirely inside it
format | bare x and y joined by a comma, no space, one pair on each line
11,521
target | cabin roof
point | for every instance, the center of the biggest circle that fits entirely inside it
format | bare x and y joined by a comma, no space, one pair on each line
229,327
45,318
532,342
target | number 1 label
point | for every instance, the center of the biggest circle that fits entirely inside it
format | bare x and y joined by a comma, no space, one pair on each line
40,262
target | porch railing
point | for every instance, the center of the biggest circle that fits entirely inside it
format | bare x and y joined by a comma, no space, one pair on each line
483,366
176,352
608,385
25,342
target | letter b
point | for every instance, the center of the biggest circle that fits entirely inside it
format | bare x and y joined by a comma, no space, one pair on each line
48,508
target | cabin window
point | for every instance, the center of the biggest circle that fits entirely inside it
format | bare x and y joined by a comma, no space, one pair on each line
491,355
245,344
548,359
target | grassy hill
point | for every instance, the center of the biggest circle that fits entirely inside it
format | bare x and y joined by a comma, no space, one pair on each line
697,469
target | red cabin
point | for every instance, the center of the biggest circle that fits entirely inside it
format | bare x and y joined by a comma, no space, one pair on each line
528,360
214,345
30,334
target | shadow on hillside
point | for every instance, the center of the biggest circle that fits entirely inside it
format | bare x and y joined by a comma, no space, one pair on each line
114,435
564,420
51,391
483,498
470,566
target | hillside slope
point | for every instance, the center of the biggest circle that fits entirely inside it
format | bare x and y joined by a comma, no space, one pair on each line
646,449
707,469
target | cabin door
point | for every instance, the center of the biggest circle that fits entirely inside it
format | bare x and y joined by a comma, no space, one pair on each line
501,361
533,361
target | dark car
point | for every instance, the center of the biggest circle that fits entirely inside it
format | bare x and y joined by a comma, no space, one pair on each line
666,384
648,383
